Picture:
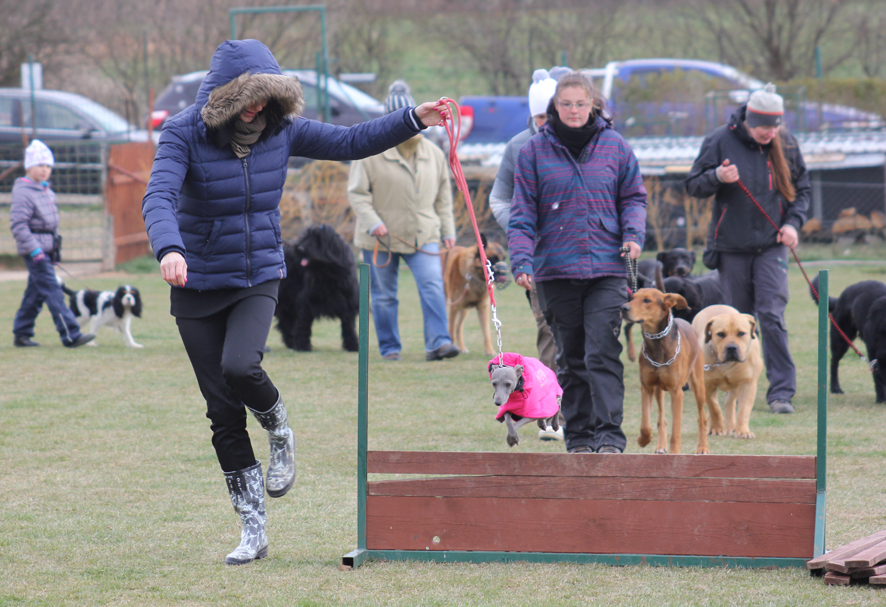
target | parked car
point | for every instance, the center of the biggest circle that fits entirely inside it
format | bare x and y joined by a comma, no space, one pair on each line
692,97
347,105
60,116
76,128
666,97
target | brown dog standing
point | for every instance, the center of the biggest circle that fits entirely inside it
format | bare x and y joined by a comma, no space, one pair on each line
465,287
671,355
733,364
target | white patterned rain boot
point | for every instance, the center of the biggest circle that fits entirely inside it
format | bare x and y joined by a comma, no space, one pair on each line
281,464
248,498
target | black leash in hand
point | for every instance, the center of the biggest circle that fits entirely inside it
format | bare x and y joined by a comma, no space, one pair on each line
631,266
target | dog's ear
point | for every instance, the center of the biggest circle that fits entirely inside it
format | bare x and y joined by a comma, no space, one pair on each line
518,369
692,257
707,331
674,300
491,364
661,256
483,240
753,323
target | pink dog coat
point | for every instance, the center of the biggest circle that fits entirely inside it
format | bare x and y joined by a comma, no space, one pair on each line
538,399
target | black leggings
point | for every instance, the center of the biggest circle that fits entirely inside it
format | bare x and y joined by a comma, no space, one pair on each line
226,351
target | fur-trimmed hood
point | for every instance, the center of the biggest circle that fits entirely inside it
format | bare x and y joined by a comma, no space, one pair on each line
244,72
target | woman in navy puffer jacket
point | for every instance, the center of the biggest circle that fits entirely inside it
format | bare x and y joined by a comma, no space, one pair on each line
212,214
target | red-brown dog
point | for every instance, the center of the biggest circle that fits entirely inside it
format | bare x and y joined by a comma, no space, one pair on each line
670,356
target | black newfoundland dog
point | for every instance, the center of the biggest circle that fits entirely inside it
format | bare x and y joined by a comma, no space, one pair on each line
321,281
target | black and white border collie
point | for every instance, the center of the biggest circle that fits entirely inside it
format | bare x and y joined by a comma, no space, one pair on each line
112,309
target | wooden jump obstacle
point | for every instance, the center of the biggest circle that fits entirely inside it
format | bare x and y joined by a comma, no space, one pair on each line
680,510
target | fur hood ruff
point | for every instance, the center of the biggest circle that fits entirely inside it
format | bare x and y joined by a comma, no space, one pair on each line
281,94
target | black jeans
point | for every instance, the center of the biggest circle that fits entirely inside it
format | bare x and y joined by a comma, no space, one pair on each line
226,351
585,318
757,284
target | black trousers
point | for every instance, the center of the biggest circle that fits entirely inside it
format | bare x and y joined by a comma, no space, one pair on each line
758,284
585,318
226,351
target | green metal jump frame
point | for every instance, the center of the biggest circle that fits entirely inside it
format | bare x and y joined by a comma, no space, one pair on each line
492,477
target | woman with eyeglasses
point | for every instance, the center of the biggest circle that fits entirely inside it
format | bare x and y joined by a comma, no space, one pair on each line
578,200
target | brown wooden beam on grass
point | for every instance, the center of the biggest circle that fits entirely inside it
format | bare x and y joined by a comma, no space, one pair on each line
868,557
868,571
846,551
836,579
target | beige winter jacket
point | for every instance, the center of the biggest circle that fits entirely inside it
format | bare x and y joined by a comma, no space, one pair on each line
414,204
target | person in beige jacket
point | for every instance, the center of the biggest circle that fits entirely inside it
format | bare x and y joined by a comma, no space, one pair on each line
403,201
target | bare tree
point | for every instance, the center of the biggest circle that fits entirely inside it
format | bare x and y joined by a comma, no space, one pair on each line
872,41
583,31
494,38
29,28
772,38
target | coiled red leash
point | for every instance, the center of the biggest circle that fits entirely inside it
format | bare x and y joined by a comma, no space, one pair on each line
800,265
453,131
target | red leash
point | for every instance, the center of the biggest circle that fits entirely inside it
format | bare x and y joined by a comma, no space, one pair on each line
800,265
454,133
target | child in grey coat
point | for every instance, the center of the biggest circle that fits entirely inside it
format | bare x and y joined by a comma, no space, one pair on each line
34,224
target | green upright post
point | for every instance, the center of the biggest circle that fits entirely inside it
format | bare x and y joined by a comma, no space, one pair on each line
821,459
363,406
356,557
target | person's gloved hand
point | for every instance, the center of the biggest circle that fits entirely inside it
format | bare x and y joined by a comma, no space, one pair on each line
38,255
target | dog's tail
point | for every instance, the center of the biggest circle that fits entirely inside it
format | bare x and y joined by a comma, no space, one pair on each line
813,290
659,280
65,288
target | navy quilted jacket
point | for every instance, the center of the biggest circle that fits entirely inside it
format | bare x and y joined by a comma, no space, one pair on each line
221,212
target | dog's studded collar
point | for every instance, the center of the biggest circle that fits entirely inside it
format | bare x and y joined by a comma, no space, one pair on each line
666,330
673,358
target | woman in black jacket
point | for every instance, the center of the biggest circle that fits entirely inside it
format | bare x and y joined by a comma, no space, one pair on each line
749,252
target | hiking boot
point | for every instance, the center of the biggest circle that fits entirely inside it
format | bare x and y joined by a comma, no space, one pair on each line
608,449
581,449
781,406
24,342
84,338
444,351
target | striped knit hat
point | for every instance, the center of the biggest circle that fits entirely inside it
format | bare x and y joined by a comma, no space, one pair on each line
398,96
765,107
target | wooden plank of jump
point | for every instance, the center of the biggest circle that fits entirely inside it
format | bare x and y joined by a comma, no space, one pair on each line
565,464
846,551
590,526
868,557
836,579
877,579
868,571
605,488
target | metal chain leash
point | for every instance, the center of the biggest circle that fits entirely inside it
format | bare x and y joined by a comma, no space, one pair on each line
495,321
631,266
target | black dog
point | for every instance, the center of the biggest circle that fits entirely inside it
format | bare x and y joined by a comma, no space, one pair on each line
674,262
321,281
859,311
698,291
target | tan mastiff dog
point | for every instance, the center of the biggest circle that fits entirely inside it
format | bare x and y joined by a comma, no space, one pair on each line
733,364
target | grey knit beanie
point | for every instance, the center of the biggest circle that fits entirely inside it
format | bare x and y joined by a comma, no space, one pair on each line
398,97
765,107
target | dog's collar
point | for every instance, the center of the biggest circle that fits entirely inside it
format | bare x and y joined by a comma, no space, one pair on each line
673,358
666,330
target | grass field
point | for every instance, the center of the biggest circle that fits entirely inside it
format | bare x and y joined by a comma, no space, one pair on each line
112,495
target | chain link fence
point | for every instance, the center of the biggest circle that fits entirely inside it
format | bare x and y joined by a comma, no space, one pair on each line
78,179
